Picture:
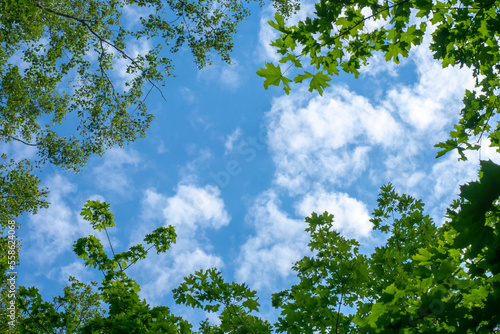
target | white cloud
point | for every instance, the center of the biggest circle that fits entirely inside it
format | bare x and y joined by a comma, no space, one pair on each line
278,243
189,173
435,99
326,139
162,148
267,34
228,76
76,269
188,95
489,153
350,215
53,231
18,151
445,179
192,210
231,139
134,48
112,175
193,207
378,66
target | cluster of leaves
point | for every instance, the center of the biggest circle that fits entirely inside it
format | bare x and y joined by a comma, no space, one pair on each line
207,290
19,190
424,279
344,35
80,309
62,64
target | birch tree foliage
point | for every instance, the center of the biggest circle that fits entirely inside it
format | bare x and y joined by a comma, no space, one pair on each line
75,75
60,62
339,37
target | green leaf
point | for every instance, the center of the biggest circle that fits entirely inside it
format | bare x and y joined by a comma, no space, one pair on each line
274,77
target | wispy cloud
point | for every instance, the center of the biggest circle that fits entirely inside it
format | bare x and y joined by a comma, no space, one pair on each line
228,76
278,242
231,139
112,174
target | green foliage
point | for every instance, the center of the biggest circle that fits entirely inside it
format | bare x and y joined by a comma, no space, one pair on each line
115,307
60,62
274,77
19,190
69,313
208,291
69,53
423,279
337,37
335,276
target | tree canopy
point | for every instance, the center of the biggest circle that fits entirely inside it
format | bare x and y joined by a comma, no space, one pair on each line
75,75
424,279
345,35
57,61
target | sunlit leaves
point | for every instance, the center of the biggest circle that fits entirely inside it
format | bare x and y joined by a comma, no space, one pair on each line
274,77
162,238
98,215
19,190
340,36
206,289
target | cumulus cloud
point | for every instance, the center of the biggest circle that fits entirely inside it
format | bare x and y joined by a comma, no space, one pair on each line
52,231
134,48
351,216
18,151
434,100
326,139
76,269
277,244
193,207
192,210
188,95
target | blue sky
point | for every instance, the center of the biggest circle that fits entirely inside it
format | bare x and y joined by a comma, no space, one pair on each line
236,168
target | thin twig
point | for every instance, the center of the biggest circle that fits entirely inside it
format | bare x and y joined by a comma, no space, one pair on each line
112,250
338,310
241,321
100,38
22,141
104,72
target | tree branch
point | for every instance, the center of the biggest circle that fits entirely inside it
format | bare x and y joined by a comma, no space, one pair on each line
112,250
99,37
104,72
22,141
338,310
241,321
